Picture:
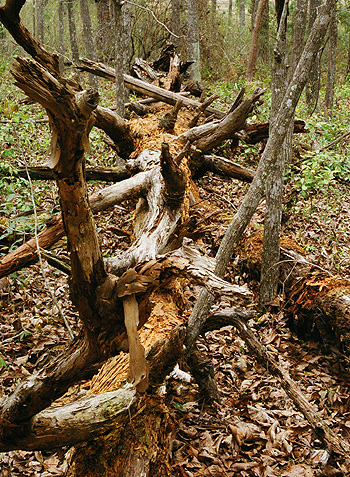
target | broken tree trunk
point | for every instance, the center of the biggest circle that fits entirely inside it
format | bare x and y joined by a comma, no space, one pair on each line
210,135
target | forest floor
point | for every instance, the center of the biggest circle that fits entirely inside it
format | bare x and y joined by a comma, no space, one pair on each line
255,429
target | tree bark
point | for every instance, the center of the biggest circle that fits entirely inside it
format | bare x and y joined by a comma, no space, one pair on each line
275,179
88,39
61,35
72,32
147,89
312,87
332,65
105,33
193,40
298,41
254,44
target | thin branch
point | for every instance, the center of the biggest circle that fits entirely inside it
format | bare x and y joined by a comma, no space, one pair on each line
154,16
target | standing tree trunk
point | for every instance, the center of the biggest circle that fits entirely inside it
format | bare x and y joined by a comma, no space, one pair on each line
274,183
88,39
312,87
176,22
105,33
61,35
332,64
121,53
229,20
72,32
264,36
193,40
257,187
241,13
254,43
40,7
298,34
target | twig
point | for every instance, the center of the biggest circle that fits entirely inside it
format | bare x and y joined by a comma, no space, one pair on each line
154,16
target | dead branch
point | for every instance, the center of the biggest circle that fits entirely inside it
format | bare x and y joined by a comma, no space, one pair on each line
106,174
142,87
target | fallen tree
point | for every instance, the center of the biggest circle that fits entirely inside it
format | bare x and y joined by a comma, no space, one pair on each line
114,298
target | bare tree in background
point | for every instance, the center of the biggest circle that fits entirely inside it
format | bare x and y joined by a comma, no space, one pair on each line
241,13
332,64
312,87
105,33
72,31
254,44
193,40
88,39
61,34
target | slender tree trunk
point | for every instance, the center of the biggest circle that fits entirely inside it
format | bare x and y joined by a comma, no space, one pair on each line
275,179
176,21
229,21
332,64
61,35
348,63
241,13
312,87
254,44
105,33
193,40
40,7
257,188
88,39
264,36
254,8
298,34
72,32
121,54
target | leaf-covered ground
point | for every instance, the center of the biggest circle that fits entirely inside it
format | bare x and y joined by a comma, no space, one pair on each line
255,429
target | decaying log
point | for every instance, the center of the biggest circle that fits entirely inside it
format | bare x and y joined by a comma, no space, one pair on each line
37,392
316,302
201,110
142,87
26,254
257,132
105,174
221,166
321,429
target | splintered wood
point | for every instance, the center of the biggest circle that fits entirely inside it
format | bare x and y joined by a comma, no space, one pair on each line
165,315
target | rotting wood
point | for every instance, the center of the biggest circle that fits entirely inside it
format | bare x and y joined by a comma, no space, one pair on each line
316,302
321,429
